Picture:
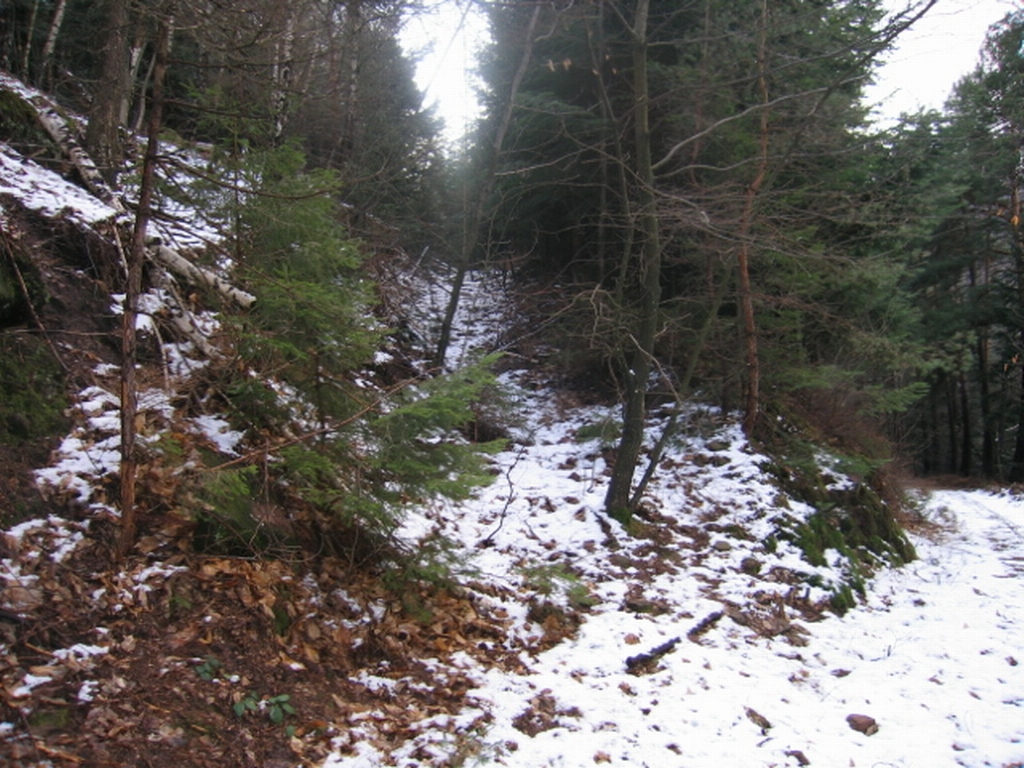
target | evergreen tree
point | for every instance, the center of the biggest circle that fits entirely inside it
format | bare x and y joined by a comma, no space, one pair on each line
753,112
969,276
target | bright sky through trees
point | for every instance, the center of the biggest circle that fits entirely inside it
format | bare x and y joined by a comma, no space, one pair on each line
933,55
447,40
930,58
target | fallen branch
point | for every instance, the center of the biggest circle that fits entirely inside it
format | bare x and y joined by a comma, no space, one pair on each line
61,131
180,318
703,626
644,662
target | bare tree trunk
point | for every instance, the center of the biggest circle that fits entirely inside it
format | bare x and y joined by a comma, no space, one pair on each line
966,441
471,234
129,394
103,135
617,500
618,157
351,36
26,58
953,463
282,74
683,389
1016,473
746,295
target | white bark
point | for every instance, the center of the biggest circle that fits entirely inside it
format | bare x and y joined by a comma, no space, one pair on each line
51,40
179,317
179,265
62,133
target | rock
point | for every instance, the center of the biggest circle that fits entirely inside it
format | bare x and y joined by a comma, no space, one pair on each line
750,566
721,546
863,723
800,757
758,719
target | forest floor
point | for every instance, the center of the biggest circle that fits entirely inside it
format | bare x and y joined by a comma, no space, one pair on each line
698,635
564,640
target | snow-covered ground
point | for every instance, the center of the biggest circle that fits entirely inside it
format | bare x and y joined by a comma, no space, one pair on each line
932,656
930,659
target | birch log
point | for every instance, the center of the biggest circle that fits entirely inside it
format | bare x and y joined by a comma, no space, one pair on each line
59,129
179,265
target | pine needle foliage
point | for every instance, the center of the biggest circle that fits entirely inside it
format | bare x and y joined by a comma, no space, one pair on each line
350,459
420,452
310,326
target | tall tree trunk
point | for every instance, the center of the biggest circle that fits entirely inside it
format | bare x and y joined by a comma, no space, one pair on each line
471,233
669,430
752,406
966,442
981,353
103,135
282,74
351,36
129,393
26,59
617,501
952,463
1016,473
50,47
988,442
932,453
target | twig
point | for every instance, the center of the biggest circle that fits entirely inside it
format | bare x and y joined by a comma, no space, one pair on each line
489,539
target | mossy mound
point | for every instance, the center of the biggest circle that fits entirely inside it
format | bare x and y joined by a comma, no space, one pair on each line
32,396
852,519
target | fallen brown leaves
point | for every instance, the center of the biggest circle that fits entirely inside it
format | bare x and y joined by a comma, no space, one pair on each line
151,664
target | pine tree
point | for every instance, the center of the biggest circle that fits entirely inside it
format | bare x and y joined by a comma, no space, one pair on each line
969,276
752,173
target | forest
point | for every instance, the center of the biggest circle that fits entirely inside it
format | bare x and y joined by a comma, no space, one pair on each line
246,310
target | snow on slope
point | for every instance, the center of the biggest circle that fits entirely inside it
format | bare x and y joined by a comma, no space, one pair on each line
932,656
48,193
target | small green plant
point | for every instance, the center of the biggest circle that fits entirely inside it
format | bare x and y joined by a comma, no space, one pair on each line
209,668
246,704
579,596
606,430
276,707
558,582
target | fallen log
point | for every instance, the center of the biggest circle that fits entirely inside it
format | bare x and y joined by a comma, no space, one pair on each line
59,129
179,265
